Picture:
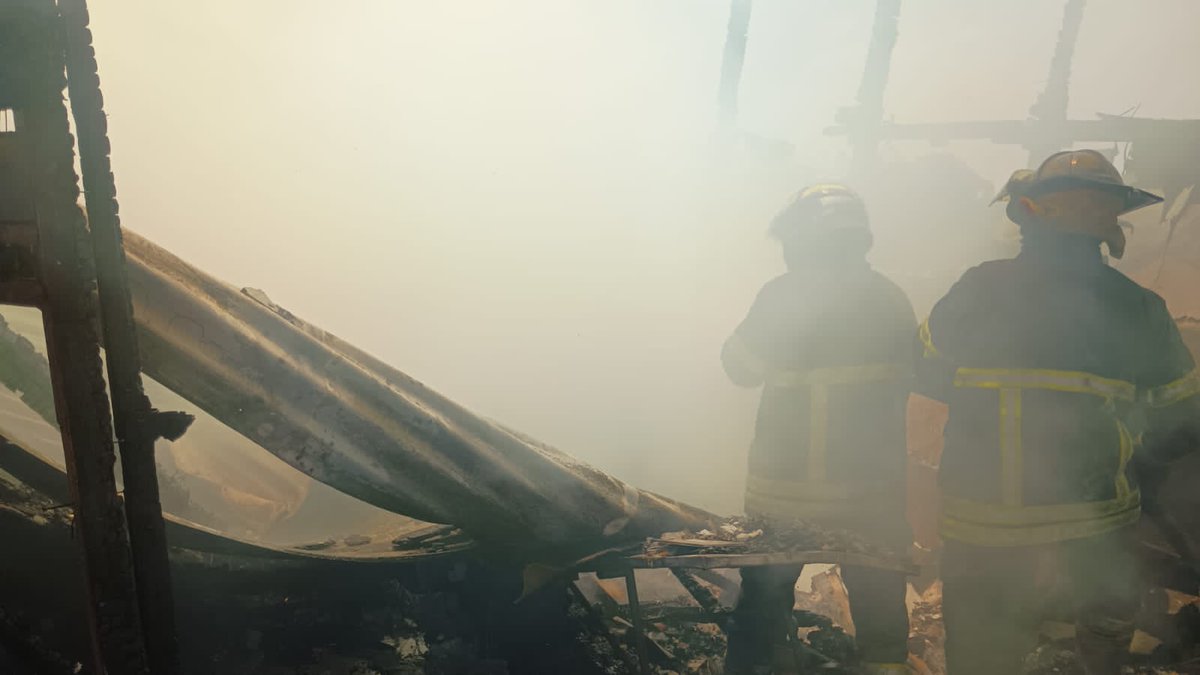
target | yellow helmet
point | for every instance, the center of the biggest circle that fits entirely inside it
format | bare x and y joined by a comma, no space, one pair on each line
821,209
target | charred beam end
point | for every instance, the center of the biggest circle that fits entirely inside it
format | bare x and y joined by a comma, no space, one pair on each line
137,425
169,425
73,346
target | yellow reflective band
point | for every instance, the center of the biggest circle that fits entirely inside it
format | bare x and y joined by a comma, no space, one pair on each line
1174,392
742,355
824,189
1011,449
1010,382
791,509
1038,533
931,352
1128,443
818,382
1055,380
990,524
999,515
789,499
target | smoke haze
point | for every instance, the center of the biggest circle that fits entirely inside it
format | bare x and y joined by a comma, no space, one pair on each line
522,204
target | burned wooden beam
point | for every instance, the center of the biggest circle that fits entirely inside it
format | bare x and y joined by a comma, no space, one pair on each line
134,420
1051,104
708,602
731,64
72,344
867,115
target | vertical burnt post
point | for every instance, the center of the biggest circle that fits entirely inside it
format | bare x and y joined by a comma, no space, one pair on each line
132,413
731,64
1051,105
72,343
867,115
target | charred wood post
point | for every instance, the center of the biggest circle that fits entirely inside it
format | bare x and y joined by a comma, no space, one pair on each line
134,420
639,626
73,347
731,64
1051,104
866,117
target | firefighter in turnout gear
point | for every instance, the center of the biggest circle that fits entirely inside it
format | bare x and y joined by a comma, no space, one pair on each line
1062,378
829,342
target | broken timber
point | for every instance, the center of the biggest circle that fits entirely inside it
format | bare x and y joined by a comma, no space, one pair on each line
731,64
132,415
45,148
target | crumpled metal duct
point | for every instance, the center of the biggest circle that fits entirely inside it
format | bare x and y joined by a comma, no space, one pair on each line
352,422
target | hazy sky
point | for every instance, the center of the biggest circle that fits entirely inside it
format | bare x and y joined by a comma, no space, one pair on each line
517,202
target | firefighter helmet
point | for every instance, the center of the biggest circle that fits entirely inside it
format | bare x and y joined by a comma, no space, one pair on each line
1073,169
818,210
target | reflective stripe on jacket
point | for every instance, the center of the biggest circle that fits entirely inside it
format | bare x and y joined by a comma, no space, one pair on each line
830,348
1055,368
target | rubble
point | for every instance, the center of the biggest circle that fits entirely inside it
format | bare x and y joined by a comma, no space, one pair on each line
827,597
926,634
680,647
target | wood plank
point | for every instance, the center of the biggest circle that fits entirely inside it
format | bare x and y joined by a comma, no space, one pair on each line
700,543
136,424
739,560
73,349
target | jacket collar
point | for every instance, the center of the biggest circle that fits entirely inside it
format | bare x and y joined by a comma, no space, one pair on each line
1059,248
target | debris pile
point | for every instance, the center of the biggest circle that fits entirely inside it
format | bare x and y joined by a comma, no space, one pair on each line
1059,658
1055,658
680,636
685,648
686,634
926,634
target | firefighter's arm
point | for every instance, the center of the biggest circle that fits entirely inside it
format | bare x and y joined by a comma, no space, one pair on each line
1170,390
1171,395
1172,432
742,365
936,339
745,354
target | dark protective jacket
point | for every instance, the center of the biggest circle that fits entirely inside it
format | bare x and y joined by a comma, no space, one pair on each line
831,348
1057,369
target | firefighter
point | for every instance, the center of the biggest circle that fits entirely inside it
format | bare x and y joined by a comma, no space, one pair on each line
1061,376
829,342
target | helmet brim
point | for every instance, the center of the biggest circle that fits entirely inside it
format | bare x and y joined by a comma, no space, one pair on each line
1134,198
